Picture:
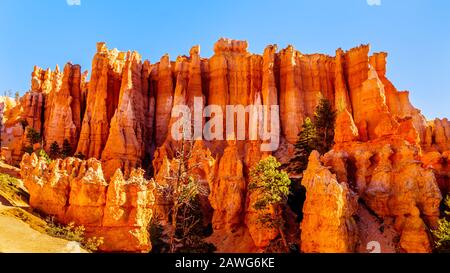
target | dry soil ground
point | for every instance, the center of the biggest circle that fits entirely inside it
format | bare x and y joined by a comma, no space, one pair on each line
20,230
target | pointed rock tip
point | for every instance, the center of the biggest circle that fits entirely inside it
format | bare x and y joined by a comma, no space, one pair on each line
195,50
101,47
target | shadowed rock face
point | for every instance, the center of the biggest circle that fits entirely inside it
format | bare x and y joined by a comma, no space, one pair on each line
122,117
392,183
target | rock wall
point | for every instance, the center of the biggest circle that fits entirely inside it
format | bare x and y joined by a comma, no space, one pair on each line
125,148
351,80
328,225
393,184
63,109
76,191
123,117
102,100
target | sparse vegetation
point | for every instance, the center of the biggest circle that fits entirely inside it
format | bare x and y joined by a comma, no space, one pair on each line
55,150
317,135
80,156
28,149
183,190
11,189
24,123
324,121
157,236
74,233
306,143
33,220
66,150
272,186
33,136
43,154
442,233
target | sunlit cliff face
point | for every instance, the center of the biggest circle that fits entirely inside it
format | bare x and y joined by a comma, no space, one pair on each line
238,107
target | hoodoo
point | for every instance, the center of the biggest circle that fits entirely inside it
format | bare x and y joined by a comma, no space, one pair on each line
387,158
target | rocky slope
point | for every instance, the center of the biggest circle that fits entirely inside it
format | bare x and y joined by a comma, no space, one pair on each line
387,155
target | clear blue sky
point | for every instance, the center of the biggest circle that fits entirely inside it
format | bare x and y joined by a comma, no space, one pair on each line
416,33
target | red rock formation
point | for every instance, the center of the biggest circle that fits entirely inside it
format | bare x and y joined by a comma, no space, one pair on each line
12,133
342,99
28,112
437,135
60,106
32,104
439,164
398,102
292,109
414,237
42,81
124,148
76,191
127,213
148,90
102,100
346,129
123,117
269,84
78,104
227,195
164,100
328,225
194,86
391,181
201,166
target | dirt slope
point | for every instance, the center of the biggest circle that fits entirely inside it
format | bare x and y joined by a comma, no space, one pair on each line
20,230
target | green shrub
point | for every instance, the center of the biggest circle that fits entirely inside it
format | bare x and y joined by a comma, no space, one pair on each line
43,154
74,233
273,188
442,233
11,189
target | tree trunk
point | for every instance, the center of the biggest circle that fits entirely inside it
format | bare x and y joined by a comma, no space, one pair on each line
280,229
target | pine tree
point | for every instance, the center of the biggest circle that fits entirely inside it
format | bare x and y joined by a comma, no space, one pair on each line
28,149
24,123
55,150
33,136
307,142
183,191
325,119
80,156
66,149
272,186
